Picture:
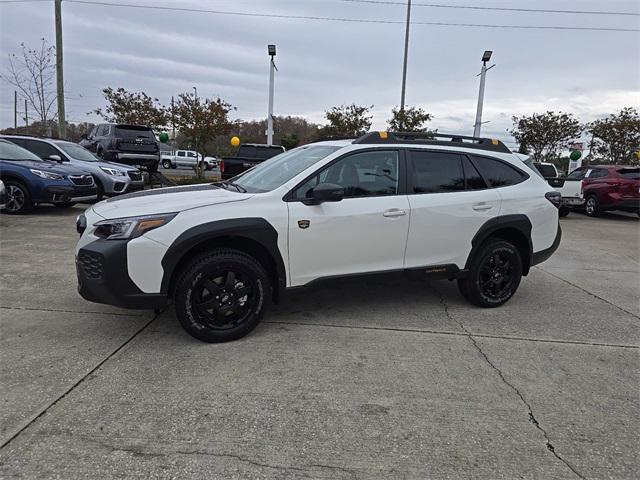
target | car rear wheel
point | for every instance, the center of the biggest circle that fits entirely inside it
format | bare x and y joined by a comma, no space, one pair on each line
592,206
564,211
221,295
494,274
18,198
166,164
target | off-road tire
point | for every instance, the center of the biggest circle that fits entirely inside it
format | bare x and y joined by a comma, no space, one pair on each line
192,293
474,285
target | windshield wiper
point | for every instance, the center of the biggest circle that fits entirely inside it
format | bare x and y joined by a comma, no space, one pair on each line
226,183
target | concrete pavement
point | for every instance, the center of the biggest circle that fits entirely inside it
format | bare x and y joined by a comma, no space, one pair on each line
383,378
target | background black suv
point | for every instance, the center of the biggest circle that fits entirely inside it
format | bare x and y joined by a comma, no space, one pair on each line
128,144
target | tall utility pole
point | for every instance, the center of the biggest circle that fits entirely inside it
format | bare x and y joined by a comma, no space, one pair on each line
173,123
62,123
26,113
15,110
272,67
483,73
406,55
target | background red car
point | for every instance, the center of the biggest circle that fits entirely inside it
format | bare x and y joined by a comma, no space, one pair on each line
609,187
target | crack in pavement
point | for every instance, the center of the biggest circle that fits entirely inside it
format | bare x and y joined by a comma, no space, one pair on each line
77,383
532,417
139,451
31,309
587,291
458,334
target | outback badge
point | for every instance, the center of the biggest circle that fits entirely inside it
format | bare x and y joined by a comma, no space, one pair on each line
304,224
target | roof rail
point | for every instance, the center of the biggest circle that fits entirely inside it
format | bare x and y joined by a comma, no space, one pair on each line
428,138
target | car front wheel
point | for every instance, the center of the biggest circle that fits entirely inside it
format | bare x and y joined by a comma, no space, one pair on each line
166,164
494,274
221,295
18,198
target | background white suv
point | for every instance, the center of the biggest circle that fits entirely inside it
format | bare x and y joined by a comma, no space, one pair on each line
450,206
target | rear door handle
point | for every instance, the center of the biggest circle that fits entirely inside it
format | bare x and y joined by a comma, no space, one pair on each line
394,212
482,206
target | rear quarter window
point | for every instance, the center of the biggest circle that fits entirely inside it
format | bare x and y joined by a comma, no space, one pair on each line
630,173
497,173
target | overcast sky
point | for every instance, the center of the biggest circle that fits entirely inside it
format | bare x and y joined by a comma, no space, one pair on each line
325,63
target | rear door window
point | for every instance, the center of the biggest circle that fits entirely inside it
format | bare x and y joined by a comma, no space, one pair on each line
630,173
497,173
436,172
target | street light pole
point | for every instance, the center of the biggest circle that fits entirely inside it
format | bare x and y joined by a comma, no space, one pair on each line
62,123
406,55
272,68
483,73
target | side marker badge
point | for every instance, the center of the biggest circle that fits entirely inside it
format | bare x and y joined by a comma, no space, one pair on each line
304,224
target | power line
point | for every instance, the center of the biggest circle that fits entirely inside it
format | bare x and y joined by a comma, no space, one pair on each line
501,9
350,20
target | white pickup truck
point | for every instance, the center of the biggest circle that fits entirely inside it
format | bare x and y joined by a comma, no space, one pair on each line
186,158
569,188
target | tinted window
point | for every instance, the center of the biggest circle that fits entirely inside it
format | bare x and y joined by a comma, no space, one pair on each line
497,173
133,131
435,172
366,174
11,151
630,173
577,174
41,149
472,176
546,170
181,154
599,173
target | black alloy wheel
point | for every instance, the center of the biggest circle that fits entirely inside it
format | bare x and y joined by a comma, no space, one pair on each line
221,295
494,274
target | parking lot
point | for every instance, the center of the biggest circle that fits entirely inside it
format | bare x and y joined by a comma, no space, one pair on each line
383,378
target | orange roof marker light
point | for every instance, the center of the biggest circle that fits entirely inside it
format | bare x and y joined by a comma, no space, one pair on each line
383,135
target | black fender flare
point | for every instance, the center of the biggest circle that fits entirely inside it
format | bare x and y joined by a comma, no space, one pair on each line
257,230
518,222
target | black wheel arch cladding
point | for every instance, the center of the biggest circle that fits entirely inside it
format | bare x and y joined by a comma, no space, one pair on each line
515,228
240,233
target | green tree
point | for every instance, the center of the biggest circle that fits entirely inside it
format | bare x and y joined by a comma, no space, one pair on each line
136,108
347,121
545,135
289,141
411,119
616,138
200,121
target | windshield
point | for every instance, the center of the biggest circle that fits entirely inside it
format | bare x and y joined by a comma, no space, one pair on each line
278,170
77,152
11,151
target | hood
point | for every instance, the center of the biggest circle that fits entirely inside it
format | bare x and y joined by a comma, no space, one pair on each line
55,167
165,200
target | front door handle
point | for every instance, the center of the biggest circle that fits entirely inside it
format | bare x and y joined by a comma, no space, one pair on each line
394,212
482,206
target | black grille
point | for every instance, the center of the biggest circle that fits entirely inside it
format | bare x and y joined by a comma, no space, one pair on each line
81,179
91,264
135,176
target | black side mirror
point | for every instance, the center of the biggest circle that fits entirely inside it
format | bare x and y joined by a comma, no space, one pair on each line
324,192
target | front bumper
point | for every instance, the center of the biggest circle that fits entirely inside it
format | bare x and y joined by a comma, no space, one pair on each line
61,194
103,277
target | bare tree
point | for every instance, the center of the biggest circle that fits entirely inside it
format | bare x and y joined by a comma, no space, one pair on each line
33,73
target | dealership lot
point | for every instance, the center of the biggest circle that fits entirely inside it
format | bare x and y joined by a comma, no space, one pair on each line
379,378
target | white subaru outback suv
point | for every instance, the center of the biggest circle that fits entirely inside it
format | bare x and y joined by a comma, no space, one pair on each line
450,206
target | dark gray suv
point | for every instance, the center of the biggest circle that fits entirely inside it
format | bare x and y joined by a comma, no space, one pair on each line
128,144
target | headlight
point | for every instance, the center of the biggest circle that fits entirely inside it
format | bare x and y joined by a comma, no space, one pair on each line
130,227
113,171
46,175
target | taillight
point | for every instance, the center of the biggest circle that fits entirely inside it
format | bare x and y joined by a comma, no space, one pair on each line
554,197
221,166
